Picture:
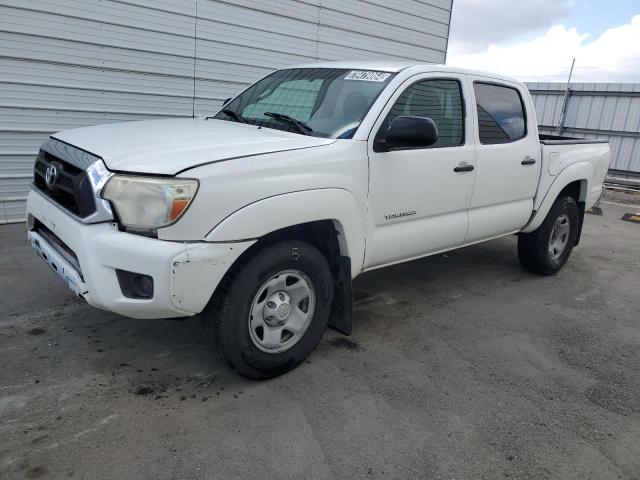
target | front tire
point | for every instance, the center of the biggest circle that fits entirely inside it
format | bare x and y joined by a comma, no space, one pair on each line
270,313
545,250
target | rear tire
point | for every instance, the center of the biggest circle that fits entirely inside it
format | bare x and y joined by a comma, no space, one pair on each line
545,250
271,312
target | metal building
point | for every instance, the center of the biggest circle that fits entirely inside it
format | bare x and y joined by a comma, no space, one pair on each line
71,63
595,110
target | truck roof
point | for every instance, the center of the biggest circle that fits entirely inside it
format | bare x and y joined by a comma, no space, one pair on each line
395,67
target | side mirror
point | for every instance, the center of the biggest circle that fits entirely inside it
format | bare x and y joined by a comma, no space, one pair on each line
226,100
411,132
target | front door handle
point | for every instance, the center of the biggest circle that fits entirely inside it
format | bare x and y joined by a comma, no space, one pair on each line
528,161
464,167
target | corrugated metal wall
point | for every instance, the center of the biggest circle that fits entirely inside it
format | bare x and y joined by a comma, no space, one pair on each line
595,110
71,63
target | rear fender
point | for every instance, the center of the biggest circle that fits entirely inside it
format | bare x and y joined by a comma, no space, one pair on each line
581,171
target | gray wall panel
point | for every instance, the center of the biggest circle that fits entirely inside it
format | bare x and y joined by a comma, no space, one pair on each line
595,110
71,63
12,210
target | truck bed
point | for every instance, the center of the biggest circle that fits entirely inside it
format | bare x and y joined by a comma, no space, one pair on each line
547,139
560,153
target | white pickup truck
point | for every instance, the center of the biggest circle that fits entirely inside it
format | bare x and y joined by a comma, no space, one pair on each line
259,217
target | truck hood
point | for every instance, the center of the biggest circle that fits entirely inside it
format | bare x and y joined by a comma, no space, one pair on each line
171,146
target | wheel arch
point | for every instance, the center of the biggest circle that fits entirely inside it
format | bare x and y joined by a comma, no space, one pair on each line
324,235
329,219
304,215
577,189
574,181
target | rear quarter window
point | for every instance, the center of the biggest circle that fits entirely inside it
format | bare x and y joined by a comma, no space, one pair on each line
501,117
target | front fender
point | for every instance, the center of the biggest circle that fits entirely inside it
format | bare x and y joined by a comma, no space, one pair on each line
274,213
581,171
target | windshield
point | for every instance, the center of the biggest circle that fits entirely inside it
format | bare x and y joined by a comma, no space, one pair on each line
323,102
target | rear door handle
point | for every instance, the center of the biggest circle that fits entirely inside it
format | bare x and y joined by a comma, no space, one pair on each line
528,161
464,167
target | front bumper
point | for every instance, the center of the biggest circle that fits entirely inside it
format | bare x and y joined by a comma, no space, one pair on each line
184,274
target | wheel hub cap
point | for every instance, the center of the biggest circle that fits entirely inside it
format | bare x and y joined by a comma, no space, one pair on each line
559,236
277,309
282,311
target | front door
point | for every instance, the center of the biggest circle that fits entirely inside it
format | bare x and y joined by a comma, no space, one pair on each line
419,198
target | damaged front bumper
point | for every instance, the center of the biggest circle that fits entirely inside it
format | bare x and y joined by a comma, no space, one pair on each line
86,257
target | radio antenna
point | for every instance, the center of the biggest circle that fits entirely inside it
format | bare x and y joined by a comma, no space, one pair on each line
565,102
195,51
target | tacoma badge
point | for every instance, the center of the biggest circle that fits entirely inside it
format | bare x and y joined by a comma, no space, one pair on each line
393,216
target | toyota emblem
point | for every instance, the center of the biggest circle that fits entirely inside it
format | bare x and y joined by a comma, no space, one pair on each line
51,175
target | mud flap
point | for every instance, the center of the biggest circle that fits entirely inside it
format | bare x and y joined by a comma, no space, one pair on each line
342,307
580,222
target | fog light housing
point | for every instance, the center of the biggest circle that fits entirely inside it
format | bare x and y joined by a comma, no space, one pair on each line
135,285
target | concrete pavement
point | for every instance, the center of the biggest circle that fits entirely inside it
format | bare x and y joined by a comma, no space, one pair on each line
461,365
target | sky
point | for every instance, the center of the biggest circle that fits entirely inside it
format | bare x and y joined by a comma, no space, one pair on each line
536,40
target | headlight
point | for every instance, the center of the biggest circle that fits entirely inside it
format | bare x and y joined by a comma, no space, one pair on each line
146,203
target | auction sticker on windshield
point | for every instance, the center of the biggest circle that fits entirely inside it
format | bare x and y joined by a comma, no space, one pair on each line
367,76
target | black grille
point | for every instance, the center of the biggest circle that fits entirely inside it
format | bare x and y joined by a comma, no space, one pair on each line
71,188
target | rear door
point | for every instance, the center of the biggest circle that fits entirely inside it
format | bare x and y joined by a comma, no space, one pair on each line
507,159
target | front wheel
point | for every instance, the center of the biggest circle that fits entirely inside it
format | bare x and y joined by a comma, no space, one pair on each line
268,316
545,250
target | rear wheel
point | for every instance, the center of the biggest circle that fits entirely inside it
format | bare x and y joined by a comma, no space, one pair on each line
546,250
268,316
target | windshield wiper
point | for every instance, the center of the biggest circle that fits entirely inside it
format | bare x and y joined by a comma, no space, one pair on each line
300,126
235,115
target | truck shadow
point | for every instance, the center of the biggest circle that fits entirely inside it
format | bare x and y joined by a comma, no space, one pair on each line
168,358
485,265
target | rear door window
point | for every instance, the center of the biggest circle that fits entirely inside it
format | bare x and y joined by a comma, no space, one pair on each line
501,117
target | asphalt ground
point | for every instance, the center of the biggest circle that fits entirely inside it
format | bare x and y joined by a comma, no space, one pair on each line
460,366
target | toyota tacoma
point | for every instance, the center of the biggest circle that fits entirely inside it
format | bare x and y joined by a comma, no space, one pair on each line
259,217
